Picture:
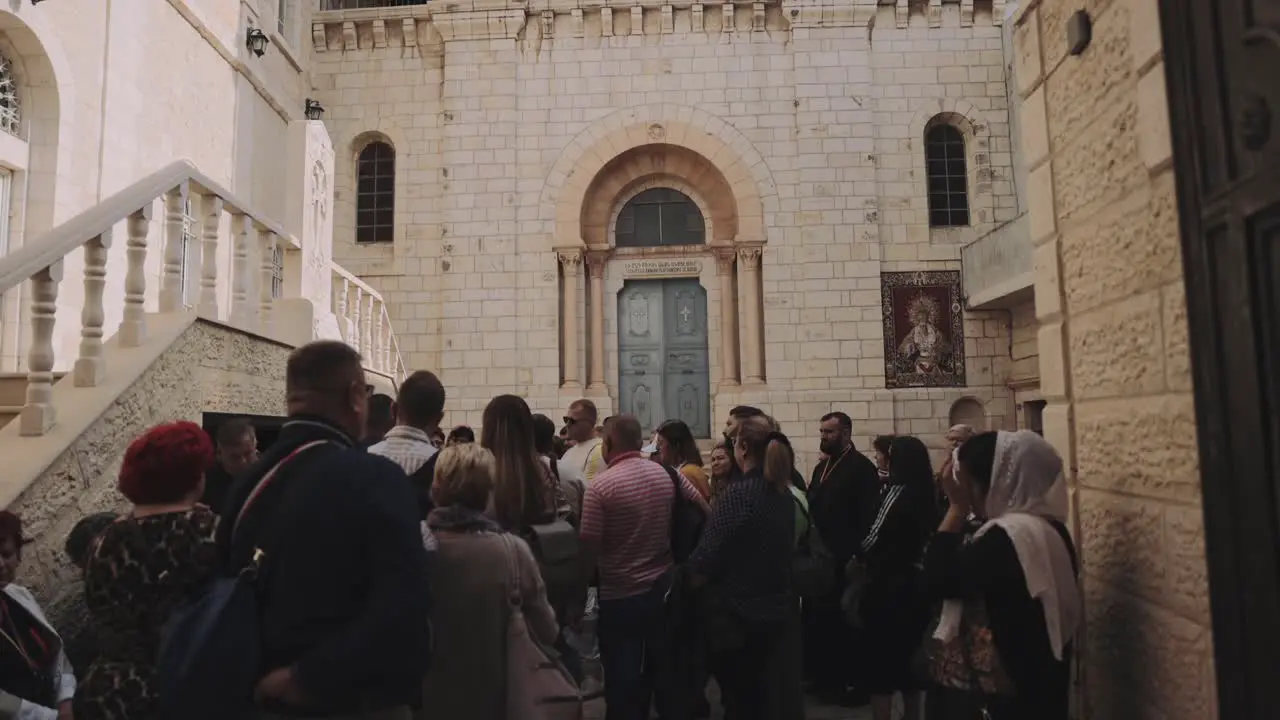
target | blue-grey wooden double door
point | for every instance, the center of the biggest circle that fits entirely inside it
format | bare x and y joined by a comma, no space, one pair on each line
662,353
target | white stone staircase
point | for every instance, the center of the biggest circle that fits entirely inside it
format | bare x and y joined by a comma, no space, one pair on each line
65,422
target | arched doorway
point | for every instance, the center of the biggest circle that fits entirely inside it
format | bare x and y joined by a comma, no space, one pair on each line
663,366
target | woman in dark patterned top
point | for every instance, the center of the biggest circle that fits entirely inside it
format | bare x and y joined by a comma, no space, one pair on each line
145,565
745,558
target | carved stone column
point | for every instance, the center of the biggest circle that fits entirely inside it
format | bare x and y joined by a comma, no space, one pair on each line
728,317
571,261
595,263
749,287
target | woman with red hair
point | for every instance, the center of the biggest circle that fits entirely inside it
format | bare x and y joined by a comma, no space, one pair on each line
36,682
145,565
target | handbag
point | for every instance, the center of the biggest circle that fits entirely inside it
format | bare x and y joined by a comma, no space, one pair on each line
856,580
539,687
813,571
971,661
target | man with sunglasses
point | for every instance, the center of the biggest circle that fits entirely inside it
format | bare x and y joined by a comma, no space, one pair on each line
583,459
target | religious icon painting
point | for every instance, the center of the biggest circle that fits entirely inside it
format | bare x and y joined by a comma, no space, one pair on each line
923,329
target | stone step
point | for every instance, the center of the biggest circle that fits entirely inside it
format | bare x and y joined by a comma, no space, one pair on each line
13,387
13,394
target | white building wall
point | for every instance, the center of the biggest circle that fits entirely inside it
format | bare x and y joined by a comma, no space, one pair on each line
113,91
828,112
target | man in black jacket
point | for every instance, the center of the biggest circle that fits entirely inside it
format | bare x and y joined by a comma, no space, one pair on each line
345,596
843,499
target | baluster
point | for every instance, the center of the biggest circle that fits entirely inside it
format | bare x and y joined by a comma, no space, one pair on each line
89,366
267,273
366,335
241,314
341,286
133,327
175,210
377,338
211,212
386,340
38,414
354,338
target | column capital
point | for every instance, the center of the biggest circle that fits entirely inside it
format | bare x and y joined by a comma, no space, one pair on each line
571,259
596,260
749,256
724,259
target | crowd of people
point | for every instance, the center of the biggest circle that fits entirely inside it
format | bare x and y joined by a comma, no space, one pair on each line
401,572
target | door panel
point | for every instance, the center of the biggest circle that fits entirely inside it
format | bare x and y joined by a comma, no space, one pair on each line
640,317
688,390
662,353
1225,118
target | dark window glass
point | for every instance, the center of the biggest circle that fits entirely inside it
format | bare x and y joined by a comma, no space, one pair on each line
657,217
376,193
948,177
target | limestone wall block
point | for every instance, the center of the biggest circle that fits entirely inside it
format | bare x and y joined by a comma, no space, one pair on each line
1099,166
1118,350
1141,446
1084,86
1132,248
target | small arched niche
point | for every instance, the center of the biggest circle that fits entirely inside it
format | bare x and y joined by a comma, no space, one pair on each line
968,411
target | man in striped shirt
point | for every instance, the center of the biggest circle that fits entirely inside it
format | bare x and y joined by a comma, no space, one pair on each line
626,532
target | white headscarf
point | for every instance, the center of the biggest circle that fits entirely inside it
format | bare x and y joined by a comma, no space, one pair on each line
1027,489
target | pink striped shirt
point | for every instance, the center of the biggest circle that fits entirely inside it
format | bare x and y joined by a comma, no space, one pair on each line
627,513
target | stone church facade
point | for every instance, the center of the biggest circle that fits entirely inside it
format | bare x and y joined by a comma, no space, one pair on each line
676,208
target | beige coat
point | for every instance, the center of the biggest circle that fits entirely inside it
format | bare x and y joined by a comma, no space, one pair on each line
469,580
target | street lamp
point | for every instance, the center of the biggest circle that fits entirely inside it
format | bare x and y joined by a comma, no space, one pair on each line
256,41
314,110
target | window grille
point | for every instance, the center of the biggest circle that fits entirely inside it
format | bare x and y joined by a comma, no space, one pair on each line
376,193
948,177
660,217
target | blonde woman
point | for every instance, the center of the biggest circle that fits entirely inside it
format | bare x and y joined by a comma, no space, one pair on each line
470,571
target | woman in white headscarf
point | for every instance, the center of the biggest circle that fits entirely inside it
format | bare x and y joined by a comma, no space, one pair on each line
1012,598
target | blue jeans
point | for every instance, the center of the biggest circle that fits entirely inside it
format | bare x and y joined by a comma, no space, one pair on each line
629,629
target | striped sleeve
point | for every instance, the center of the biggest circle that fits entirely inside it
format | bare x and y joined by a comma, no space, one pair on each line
886,509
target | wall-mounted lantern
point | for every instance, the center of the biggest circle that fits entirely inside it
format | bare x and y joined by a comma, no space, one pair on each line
314,110
256,41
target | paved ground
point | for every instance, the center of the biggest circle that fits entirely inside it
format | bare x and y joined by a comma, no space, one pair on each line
814,711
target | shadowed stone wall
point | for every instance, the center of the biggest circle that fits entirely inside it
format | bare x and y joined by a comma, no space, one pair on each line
1113,352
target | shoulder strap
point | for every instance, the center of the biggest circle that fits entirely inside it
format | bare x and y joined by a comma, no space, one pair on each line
587,460
266,482
513,569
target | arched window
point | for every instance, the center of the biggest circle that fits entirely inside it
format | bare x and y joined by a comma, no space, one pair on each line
10,110
376,193
660,216
948,176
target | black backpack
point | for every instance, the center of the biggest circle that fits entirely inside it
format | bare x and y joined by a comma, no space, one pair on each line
210,657
687,520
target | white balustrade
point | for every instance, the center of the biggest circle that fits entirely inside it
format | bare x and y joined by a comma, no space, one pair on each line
133,328
211,218
38,414
175,242
266,279
362,315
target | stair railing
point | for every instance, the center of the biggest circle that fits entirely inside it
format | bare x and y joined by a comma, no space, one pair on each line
254,291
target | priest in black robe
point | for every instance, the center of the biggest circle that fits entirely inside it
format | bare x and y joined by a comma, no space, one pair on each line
843,496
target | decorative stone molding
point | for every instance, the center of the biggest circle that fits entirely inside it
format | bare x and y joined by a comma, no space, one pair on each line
749,256
697,22
668,20
548,23
349,36
637,20
409,31
606,21
571,260
480,24
726,13
757,17
379,34
596,261
725,257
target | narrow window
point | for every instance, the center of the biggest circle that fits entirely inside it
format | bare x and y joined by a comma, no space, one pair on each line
376,193
10,109
947,176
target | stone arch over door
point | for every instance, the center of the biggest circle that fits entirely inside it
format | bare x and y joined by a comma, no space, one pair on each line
596,157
